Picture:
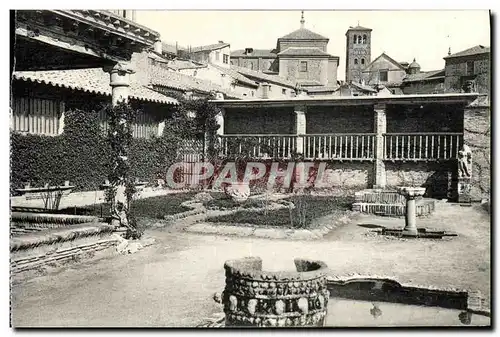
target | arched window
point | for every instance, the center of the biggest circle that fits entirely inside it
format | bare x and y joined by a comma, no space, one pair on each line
362,61
359,39
355,39
364,39
355,61
250,65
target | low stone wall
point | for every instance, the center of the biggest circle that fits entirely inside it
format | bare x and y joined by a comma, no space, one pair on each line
388,203
60,255
30,252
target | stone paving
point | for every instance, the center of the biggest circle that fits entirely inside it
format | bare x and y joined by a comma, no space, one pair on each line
172,282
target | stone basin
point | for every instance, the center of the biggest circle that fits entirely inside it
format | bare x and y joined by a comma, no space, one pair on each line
257,298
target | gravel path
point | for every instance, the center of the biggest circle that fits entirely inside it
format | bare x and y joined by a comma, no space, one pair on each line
172,282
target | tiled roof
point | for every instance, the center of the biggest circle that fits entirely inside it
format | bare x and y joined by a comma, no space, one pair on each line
300,51
177,81
308,82
184,64
303,34
209,47
255,53
424,75
170,48
264,77
362,87
322,89
93,80
471,51
393,61
236,75
358,27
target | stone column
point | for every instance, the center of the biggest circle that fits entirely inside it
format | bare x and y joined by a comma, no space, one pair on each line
120,82
410,194
300,127
161,127
220,121
60,128
380,127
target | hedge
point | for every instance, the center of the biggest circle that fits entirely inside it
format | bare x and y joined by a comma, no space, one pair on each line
81,155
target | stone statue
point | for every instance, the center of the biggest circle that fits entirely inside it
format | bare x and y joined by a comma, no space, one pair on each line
465,162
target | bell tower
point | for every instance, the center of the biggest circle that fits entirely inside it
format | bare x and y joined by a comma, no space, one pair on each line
358,52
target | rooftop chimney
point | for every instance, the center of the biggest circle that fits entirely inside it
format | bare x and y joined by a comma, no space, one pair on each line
157,47
248,51
220,41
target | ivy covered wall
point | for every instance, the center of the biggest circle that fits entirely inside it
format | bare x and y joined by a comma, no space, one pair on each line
81,155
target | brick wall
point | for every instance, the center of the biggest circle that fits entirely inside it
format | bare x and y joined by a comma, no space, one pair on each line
427,87
477,136
317,69
429,118
262,121
322,45
332,72
433,176
352,175
455,68
340,119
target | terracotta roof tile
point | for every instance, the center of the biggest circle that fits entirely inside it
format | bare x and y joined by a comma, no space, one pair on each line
236,75
309,82
93,80
209,47
471,51
298,51
424,75
255,53
323,89
264,77
178,81
303,34
178,64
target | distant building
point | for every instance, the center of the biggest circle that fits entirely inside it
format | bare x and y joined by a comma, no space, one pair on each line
264,60
218,54
358,52
385,70
299,56
470,65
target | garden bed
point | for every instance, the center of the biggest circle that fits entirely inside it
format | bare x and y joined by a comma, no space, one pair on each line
306,210
152,208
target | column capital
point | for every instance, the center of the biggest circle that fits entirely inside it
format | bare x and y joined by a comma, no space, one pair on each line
379,106
121,68
300,109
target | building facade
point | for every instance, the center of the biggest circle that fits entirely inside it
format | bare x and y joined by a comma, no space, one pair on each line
300,56
468,66
218,54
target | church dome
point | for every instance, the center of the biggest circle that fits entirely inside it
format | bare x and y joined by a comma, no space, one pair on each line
414,64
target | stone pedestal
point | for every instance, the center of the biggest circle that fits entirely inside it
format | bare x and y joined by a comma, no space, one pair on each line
410,194
464,187
255,298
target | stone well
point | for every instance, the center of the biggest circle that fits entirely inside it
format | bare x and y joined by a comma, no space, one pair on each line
257,298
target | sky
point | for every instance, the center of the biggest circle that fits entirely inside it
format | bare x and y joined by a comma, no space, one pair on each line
403,35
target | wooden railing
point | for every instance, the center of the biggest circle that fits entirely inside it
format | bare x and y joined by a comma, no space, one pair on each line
422,146
258,146
348,146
